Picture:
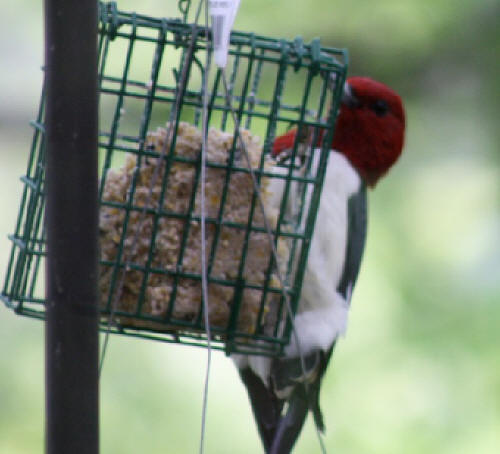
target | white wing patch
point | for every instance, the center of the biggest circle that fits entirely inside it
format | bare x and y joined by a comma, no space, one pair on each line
322,310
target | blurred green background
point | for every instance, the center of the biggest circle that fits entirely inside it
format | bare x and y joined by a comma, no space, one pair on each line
419,371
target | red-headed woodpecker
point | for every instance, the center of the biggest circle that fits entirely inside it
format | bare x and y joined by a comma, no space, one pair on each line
368,139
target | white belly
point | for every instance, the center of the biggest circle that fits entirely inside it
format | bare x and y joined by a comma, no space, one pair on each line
322,312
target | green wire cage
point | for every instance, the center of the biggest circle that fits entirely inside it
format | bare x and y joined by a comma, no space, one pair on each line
152,102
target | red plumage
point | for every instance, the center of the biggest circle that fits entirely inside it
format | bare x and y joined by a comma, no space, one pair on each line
369,129
284,142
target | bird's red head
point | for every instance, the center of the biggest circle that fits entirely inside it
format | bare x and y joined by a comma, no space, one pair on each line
370,127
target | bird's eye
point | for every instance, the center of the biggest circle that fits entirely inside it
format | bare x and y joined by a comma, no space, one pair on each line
380,107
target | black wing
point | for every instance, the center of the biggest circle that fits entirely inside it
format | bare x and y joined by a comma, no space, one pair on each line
356,236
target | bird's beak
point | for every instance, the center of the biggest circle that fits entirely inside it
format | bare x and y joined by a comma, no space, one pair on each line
349,98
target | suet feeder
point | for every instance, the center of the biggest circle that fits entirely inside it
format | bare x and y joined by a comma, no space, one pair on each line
152,97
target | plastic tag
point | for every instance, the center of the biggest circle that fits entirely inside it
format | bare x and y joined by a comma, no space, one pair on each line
222,14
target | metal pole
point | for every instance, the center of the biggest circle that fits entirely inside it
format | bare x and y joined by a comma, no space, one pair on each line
71,332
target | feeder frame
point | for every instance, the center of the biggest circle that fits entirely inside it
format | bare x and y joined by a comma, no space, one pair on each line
129,82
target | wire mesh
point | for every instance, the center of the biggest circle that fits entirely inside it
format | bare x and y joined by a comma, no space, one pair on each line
274,84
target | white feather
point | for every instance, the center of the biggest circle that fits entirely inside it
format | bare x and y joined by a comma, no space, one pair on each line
322,312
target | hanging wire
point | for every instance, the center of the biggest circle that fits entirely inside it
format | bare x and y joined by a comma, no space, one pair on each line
204,277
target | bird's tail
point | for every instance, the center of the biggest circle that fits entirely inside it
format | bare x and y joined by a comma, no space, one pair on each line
314,405
280,410
304,397
266,406
290,424
314,388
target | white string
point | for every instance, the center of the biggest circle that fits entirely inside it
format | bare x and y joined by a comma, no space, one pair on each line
204,277
273,248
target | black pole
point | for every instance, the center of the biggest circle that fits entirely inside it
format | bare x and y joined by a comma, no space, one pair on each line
71,333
